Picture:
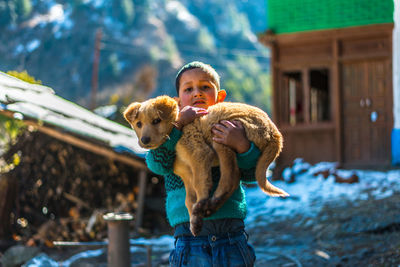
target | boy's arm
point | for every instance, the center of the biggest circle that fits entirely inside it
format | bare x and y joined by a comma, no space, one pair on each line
161,160
232,134
247,163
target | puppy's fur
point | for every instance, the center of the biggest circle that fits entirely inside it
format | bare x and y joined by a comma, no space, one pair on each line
196,152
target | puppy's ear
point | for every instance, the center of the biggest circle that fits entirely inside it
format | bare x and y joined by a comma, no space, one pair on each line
131,111
166,106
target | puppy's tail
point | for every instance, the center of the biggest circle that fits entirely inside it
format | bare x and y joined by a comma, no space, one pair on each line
270,152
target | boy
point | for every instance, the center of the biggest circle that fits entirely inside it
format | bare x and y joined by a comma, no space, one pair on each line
222,240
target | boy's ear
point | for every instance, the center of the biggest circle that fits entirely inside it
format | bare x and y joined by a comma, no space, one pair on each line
221,95
131,111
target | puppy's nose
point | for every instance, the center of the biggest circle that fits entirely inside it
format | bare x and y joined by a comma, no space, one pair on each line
145,140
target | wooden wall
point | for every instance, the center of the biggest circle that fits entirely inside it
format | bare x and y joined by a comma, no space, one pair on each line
358,63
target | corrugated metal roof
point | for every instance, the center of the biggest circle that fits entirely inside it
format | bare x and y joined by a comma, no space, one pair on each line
41,103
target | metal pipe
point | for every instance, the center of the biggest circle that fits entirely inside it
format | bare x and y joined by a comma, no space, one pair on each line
118,239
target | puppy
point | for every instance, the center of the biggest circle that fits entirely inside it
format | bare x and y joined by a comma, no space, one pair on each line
154,119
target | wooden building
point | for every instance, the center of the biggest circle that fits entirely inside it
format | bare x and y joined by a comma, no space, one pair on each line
331,65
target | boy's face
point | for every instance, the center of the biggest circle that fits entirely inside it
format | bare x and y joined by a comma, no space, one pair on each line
198,89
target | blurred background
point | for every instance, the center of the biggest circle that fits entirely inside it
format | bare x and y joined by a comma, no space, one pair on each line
138,46
327,71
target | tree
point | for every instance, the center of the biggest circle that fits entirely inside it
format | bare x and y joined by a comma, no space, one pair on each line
124,11
246,81
23,8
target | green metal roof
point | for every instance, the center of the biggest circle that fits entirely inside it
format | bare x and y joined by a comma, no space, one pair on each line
288,16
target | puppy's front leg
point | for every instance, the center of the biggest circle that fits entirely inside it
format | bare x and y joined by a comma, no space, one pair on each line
195,153
183,170
202,183
230,177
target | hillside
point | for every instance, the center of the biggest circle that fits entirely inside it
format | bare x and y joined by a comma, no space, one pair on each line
143,44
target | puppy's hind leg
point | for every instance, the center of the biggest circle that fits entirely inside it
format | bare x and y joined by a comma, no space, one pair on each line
230,177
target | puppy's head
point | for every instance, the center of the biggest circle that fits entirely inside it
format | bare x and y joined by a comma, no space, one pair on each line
152,120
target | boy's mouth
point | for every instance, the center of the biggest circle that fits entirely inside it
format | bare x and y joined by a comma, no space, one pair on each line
199,102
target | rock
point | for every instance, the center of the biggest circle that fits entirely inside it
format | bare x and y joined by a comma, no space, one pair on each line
17,255
350,180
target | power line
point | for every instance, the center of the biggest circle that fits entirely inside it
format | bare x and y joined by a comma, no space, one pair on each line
219,50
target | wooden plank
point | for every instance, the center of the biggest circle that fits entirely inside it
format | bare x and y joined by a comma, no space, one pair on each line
8,193
350,32
141,198
365,47
275,82
306,95
336,103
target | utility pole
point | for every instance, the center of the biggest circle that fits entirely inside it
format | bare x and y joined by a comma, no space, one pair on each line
95,71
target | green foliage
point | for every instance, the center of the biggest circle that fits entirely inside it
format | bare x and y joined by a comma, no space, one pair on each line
23,75
239,20
171,50
114,64
9,131
23,8
124,10
206,40
7,13
247,82
128,11
12,11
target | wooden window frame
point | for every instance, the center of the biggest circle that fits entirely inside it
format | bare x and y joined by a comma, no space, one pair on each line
305,80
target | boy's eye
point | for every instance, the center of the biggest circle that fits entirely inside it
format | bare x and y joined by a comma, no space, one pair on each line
206,87
139,124
156,121
189,89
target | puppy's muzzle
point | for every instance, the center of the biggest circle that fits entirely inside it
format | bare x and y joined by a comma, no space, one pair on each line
145,140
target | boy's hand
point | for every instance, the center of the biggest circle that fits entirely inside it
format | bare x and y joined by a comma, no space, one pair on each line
232,134
188,114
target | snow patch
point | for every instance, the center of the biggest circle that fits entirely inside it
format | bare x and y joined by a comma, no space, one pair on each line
32,45
182,14
309,193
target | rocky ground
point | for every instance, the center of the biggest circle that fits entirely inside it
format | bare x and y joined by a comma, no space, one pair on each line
362,233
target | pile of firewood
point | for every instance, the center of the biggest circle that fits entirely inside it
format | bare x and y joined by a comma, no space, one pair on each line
55,191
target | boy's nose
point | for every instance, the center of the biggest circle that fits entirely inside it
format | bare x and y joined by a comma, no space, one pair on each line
197,92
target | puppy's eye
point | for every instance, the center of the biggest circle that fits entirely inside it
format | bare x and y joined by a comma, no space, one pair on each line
156,121
139,124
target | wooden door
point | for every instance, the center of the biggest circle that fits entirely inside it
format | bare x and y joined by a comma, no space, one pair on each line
366,112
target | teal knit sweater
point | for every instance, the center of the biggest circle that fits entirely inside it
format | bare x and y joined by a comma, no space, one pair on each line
161,161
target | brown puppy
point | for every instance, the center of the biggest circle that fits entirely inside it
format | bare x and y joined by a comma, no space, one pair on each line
196,152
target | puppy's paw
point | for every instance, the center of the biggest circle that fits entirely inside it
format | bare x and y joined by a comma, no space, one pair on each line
196,223
200,207
212,205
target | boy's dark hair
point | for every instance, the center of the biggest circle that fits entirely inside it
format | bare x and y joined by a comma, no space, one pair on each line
197,65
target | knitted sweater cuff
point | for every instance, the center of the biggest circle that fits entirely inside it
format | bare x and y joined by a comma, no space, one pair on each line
173,139
248,160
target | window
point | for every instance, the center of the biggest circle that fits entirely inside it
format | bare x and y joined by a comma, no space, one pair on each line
305,99
319,95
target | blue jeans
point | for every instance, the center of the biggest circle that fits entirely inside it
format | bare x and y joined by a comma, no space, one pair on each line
230,249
